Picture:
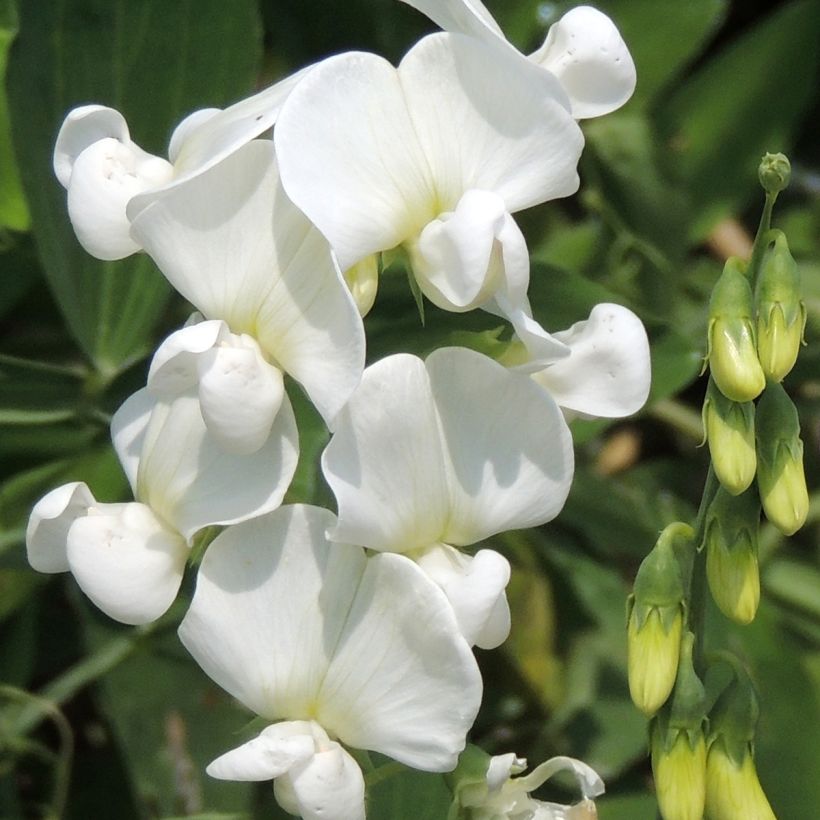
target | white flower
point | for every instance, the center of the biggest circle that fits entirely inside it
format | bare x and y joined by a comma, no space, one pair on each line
233,244
344,648
104,170
583,50
505,795
430,456
606,372
129,558
435,155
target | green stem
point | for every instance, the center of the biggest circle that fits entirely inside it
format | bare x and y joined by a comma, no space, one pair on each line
761,239
679,416
698,584
385,772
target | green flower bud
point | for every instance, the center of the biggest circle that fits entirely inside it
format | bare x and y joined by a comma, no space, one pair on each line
774,172
363,282
731,350
731,535
655,623
781,312
733,790
678,744
730,431
780,476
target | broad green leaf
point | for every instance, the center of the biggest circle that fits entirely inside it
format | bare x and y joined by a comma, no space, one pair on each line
796,584
154,61
13,211
627,807
744,102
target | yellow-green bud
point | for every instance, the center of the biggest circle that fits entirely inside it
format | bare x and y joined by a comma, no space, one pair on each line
733,790
780,476
655,622
363,282
679,768
731,349
730,431
774,173
781,312
678,744
731,535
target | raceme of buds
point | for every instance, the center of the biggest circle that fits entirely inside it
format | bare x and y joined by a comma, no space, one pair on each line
655,623
731,535
774,173
780,476
731,349
781,312
730,431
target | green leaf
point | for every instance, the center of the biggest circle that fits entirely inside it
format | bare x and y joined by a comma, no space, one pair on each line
626,807
410,795
744,102
154,61
13,211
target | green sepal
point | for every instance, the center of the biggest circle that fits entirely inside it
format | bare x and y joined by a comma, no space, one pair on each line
687,706
734,716
729,427
488,342
731,350
469,775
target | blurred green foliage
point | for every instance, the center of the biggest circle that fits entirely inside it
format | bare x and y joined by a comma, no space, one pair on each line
664,182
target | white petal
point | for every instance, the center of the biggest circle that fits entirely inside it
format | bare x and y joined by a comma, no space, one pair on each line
188,129
542,348
509,448
402,680
489,119
585,51
475,587
607,373
212,237
127,562
82,127
588,779
192,482
269,755
329,785
349,159
104,177
239,396
465,16
384,461
128,426
174,366
454,260
49,523
309,322
502,767
270,603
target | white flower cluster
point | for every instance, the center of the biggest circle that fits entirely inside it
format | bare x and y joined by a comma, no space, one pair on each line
352,630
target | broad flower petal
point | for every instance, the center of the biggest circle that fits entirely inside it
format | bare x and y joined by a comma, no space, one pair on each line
49,523
379,663
608,372
126,560
586,52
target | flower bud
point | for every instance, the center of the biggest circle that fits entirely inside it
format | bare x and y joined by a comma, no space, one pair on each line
363,282
780,476
774,172
732,787
730,431
731,535
655,623
678,744
731,349
781,313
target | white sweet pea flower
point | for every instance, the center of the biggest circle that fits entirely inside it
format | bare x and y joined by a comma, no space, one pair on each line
505,794
583,50
336,650
103,170
607,371
233,244
129,558
430,456
435,155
